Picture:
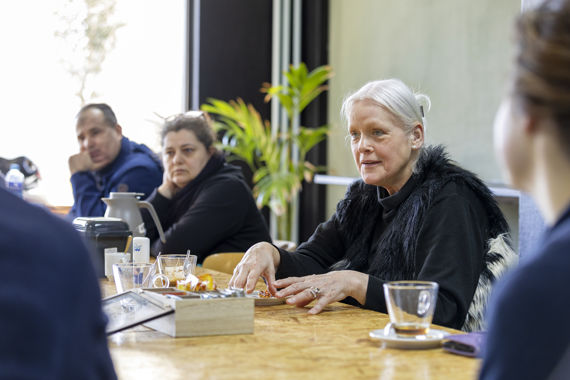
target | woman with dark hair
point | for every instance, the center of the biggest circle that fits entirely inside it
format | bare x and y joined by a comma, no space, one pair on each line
414,215
203,203
529,314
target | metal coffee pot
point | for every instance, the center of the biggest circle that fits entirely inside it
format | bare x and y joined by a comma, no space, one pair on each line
126,206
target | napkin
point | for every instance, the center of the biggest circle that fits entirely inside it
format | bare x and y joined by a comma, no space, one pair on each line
470,344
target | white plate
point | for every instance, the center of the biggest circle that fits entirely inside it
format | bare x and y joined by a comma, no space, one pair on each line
265,301
390,339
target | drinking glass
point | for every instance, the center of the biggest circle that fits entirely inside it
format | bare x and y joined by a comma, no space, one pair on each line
411,305
131,275
171,268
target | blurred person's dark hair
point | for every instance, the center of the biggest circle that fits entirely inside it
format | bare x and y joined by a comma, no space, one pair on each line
542,75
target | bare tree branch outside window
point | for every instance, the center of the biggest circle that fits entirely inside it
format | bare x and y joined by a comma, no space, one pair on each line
87,33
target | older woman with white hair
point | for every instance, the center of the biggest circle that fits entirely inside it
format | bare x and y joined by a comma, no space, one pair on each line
413,215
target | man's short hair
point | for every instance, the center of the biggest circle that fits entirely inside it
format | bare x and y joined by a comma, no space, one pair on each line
108,114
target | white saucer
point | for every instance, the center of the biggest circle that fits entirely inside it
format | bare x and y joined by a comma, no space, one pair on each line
390,339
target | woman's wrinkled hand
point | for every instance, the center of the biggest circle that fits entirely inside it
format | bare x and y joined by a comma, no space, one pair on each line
323,288
261,260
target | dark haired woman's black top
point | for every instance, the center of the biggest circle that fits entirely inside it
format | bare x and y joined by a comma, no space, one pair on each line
215,212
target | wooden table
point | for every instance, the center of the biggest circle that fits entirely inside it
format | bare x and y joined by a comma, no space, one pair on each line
287,343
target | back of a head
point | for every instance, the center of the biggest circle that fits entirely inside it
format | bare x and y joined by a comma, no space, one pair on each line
542,75
396,97
108,114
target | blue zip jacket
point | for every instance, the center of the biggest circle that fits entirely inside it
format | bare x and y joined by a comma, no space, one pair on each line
136,169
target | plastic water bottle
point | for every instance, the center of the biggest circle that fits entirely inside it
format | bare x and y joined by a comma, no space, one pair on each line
15,180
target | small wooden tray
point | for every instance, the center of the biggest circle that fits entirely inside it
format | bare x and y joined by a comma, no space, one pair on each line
201,317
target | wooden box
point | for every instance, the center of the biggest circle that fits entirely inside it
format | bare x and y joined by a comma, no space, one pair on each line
200,317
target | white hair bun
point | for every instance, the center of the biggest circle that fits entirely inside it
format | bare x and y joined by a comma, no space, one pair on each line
424,102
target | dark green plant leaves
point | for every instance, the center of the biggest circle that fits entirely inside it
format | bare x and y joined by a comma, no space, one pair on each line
247,137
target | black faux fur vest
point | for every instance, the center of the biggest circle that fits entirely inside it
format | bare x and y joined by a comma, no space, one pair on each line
395,255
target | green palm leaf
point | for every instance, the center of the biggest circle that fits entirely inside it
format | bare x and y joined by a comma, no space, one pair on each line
246,136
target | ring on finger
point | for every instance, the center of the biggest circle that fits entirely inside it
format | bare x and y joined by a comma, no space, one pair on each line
314,291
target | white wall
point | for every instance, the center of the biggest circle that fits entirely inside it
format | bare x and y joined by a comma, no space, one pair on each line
143,75
456,51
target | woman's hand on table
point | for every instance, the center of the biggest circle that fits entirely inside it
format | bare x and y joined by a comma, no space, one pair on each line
261,260
323,288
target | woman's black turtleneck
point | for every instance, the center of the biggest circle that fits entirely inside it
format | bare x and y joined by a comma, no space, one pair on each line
390,204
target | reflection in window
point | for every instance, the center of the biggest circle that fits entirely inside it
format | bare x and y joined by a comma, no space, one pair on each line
142,76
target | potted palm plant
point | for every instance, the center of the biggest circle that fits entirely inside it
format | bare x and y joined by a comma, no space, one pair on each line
278,169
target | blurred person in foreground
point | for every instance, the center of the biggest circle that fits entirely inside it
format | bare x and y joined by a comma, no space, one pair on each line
107,162
413,215
529,312
203,203
52,323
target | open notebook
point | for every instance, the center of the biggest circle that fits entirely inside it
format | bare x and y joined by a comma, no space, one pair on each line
130,309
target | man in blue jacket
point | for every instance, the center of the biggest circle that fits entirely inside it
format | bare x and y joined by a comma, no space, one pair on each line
52,325
107,162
